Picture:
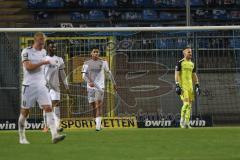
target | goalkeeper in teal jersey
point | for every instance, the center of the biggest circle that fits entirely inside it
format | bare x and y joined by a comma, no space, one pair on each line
185,76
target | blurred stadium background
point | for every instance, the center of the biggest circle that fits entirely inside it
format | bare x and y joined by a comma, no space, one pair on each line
143,62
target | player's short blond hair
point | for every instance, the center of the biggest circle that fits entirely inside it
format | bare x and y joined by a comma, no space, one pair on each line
40,34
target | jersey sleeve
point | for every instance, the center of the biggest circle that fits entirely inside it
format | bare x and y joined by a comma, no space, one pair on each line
85,72
178,66
107,70
105,66
194,68
24,55
62,65
84,68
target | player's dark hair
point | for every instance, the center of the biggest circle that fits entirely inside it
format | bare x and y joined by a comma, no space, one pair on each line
50,42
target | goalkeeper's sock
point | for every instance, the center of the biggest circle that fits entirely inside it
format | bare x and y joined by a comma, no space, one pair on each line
188,115
21,126
57,114
52,124
183,114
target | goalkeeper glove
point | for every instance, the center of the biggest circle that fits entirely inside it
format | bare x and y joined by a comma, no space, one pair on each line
178,89
197,89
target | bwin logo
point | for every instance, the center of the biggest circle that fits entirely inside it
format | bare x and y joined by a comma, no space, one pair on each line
34,125
162,123
198,123
7,126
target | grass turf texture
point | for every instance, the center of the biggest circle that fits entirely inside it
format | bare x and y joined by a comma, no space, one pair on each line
133,144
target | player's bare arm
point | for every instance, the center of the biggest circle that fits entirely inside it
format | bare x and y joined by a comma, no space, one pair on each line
110,75
177,76
64,79
195,78
30,66
85,75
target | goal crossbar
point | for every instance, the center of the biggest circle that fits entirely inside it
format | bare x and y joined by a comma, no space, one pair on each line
122,29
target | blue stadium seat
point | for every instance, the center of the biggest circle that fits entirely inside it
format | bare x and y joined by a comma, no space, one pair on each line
90,3
36,4
234,43
196,2
171,43
168,3
219,14
181,43
202,13
124,3
202,43
73,3
167,16
131,16
76,16
96,15
155,25
160,44
142,3
108,3
150,14
54,3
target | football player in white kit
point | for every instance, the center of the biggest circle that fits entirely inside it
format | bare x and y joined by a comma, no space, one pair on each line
52,73
93,73
34,88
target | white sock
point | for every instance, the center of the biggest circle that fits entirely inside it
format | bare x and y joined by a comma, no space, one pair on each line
57,113
21,126
44,119
98,122
96,119
51,123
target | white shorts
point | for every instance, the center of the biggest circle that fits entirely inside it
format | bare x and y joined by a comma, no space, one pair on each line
33,94
54,95
95,95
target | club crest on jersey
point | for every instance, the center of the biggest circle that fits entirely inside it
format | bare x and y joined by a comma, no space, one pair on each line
25,55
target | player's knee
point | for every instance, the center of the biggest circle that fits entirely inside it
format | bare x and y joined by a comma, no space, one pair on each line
186,102
47,108
25,112
98,103
55,103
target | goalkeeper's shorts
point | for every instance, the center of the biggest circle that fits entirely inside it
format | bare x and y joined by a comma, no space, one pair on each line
187,94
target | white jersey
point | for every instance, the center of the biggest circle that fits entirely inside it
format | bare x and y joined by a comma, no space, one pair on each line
34,77
52,71
94,71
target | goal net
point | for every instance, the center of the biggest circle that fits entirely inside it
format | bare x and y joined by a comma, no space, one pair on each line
142,61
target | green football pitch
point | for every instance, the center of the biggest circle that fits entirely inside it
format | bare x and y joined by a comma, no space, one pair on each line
221,143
